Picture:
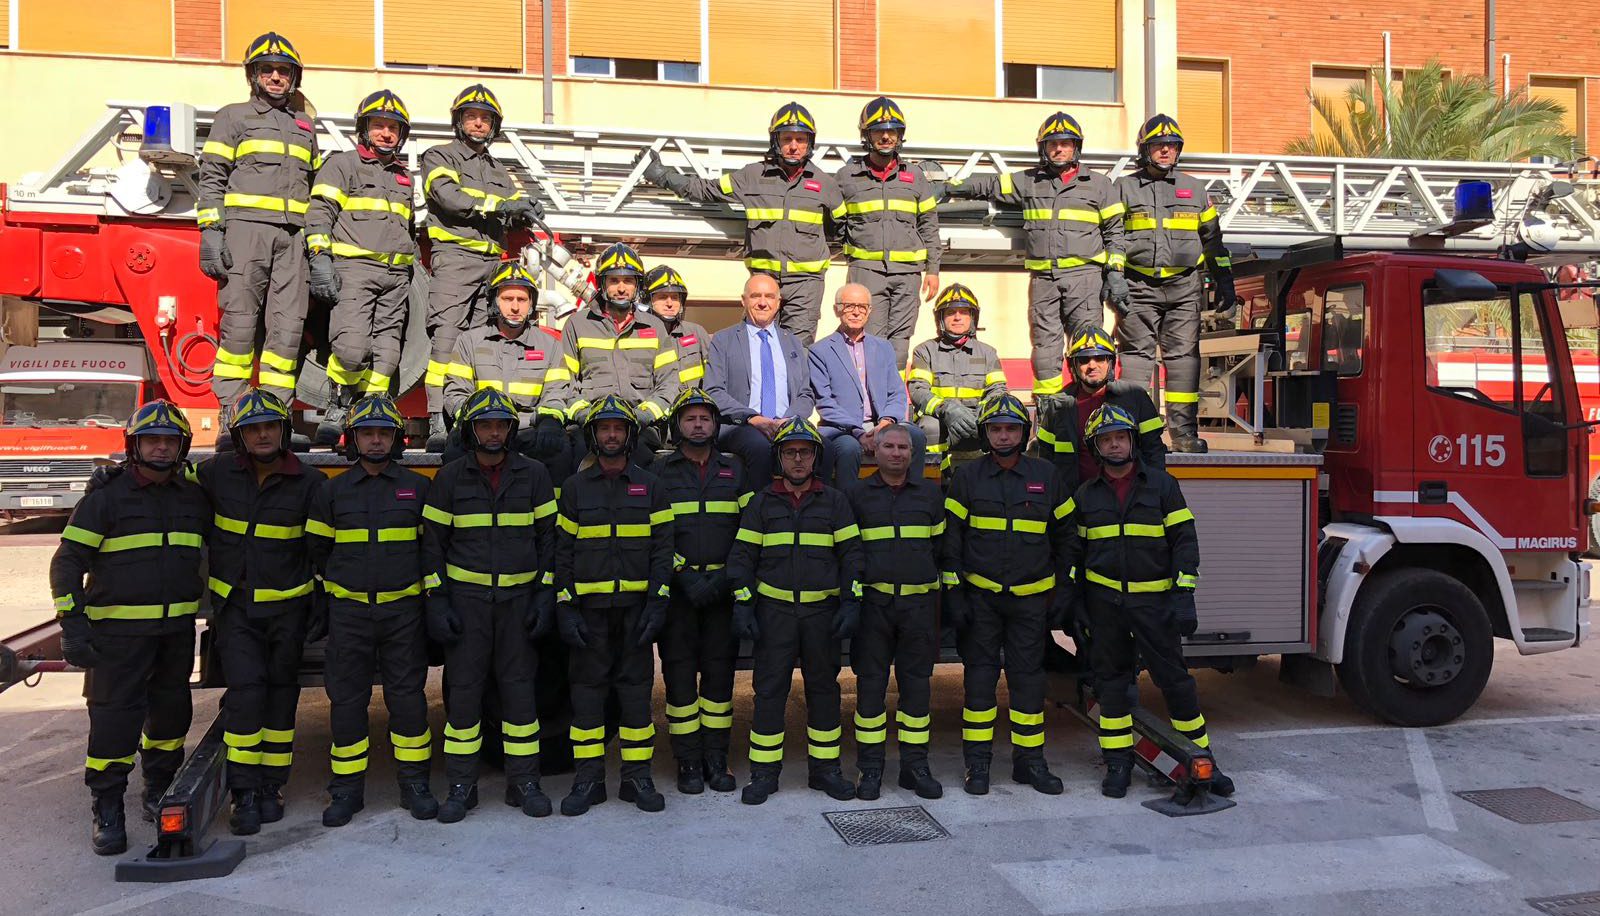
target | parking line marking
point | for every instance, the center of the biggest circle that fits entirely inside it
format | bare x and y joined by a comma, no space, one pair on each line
1371,729
1435,800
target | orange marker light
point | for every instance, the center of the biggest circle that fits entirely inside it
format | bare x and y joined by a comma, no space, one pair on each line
173,820
1202,768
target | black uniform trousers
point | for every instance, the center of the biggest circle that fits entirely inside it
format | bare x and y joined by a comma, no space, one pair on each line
261,665
901,630
494,647
138,698
1121,636
790,633
613,661
1010,630
698,649
392,644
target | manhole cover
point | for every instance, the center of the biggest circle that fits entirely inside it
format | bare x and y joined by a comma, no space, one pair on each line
882,826
1570,905
1530,805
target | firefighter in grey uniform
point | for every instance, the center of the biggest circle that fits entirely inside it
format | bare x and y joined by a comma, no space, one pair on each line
1072,220
472,204
255,187
789,207
952,374
1172,232
891,226
668,298
360,235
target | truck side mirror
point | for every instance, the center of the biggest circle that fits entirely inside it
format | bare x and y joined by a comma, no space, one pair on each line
1463,285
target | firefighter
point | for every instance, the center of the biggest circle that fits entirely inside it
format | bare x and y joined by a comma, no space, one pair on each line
262,590
1137,561
796,573
127,583
1172,232
668,298
891,225
901,516
707,491
1004,554
1072,220
1092,357
490,540
360,235
511,354
613,348
472,206
255,188
791,206
952,374
614,560
366,541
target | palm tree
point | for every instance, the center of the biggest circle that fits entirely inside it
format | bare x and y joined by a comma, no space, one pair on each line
1435,116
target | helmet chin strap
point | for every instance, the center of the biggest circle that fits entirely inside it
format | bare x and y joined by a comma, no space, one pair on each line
1113,462
488,449
516,324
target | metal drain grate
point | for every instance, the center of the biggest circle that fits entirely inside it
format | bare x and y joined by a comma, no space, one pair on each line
1531,805
882,826
1570,905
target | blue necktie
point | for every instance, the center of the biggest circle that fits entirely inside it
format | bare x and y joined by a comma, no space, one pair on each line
769,376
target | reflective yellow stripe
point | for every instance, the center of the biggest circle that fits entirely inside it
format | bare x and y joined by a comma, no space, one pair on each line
265,202
339,591
782,267
1062,263
1187,580
217,148
376,204
207,216
1069,214
385,535
904,257
761,214
611,587
904,531
82,536
140,611
790,538
914,588
1147,587
176,744
992,523
319,528
1151,425
587,532
1007,186
100,763
1059,446
1027,588
502,580
803,596
483,246
1035,739
398,259
1027,718
1182,397
711,507
955,508
437,173
726,184
1116,209
271,148
879,205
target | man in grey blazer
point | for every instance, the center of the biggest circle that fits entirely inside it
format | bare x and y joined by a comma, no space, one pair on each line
759,376
859,390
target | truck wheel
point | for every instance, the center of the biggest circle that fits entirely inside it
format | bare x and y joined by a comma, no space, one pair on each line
1418,648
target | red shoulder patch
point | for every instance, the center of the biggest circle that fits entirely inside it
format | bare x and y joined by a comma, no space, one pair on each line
405,494
1035,486
533,354
303,125
812,185
403,181
907,177
689,340
647,332
1185,193
638,489
725,472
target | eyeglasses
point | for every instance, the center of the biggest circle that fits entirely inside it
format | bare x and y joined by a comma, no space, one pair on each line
855,307
795,454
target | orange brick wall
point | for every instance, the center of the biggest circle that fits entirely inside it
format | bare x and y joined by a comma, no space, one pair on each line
197,29
858,44
533,45
1271,46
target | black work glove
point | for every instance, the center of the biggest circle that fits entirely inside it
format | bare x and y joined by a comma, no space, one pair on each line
77,640
103,474
570,622
325,283
960,421
1223,298
697,587
655,171
744,621
214,257
652,619
1116,291
317,616
1064,604
544,613
520,210
846,617
957,607
1183,611
717,581
549,437
444,624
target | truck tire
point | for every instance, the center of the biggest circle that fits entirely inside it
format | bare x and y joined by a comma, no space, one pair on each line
1418,649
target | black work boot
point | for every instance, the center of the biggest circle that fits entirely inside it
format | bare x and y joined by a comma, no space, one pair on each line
417,798
270,798
1119,775
871,784
1221,784
246,819
918,778
977,782
110,832
716,772
529,797
152,802
691,777
763,782
331,427
584,795
342,806
1189,443
1036,773
462,798
641,790
831,780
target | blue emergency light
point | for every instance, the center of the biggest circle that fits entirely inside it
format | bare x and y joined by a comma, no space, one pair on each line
157,130
1474,201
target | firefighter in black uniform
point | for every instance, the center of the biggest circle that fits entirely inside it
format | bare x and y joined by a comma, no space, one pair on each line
262,591
1092,358
1004,554
490,537
901,516
613,575
707,491
1137,560
366,541
126,583
796,573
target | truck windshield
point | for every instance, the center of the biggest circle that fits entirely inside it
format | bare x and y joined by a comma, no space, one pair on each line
68,404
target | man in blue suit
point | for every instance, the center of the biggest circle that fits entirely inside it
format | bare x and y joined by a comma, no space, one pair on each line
759,377
859,391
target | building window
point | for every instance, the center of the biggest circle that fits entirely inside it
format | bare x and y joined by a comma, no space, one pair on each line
1203,105
1067,84
1568,92
633,68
